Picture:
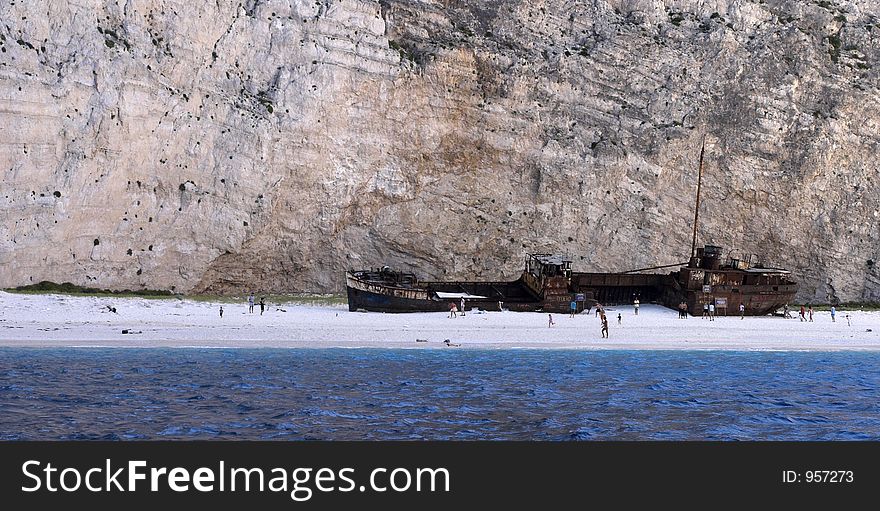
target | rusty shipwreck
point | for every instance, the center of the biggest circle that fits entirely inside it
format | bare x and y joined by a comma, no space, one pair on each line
548,284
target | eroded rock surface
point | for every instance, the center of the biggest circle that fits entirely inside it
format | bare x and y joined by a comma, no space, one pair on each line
269,145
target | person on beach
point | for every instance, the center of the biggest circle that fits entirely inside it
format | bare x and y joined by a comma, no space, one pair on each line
604,327
636,306
811,313
452,310
711,312
619,319
803,313
847,320
742,311
705,311
251,303
550,321
785,312
462,306
833,313
221,311
262,305
682,310
573,307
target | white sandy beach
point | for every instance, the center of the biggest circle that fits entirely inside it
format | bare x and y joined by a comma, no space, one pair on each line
66,321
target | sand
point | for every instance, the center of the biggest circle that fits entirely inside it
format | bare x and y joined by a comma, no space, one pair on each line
50,320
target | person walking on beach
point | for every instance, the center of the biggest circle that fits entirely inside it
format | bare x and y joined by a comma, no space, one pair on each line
550,321
742,311
705,311
604,327
636,306
833,313
452,311
619,319
847,320
262,305
251,303
785,312
803,313
711,312
462,306
811,313
221,311
573,307
599,309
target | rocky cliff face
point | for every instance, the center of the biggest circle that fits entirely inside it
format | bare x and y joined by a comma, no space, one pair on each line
270,145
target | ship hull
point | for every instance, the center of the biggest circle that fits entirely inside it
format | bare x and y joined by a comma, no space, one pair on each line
372,296
361,299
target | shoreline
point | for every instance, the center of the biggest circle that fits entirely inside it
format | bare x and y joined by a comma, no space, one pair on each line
63,321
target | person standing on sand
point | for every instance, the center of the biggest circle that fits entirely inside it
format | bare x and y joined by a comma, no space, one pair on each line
712,312
742,311
785,312
573,307
251,303
550,320
636,306
803,313
599,309
262,305
604,327
847,320
833,313
452,310
619,318
462,306
221,311
705,311
811,313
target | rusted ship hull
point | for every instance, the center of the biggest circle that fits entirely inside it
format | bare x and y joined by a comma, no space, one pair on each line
371,296
761,291
385,290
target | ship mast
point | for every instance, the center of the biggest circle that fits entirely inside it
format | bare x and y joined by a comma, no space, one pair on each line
697,208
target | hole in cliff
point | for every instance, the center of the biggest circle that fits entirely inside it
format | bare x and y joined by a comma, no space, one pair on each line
128,251
97,242
150,248
57,194
870,263
245,223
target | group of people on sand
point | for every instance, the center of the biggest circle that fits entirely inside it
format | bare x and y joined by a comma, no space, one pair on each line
807,312
453,308
251,302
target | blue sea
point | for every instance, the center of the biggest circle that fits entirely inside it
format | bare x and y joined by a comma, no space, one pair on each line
387,394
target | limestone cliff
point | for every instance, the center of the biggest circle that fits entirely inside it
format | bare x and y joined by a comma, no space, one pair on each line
269,145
